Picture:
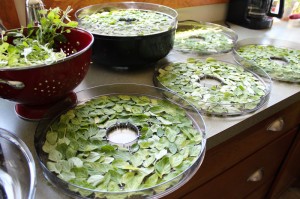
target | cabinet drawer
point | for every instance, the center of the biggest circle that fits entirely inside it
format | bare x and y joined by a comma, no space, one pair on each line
247,176
236,149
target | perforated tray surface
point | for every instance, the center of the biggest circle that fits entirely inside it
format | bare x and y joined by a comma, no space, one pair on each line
214,87
203,38
278,58
168,149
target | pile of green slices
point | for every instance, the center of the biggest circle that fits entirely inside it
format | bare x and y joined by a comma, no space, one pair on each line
261,56
127,22
203,39
36,47
238,90
79,153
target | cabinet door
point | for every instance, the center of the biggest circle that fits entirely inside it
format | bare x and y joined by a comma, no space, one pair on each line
224,156
289,172
248,175
9,15
260,193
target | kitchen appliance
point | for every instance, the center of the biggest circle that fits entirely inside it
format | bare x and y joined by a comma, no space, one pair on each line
129,52
254,14
33,8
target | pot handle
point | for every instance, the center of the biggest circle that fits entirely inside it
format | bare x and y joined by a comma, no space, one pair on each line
14,84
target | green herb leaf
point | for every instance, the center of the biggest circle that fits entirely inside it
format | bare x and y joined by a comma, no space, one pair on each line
163,166
37,47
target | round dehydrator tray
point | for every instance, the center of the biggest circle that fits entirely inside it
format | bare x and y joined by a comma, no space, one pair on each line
83,150
214,87
18,170
278,58
203,38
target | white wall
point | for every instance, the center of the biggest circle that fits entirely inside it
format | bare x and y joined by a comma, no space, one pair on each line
208,13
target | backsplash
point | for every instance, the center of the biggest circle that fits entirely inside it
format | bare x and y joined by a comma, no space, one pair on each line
171,3
201,10
207,13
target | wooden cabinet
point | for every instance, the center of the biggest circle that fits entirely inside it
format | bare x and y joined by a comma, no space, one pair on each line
248,175
10,18
289,171
247,165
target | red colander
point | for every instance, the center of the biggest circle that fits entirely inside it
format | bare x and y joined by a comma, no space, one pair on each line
36,88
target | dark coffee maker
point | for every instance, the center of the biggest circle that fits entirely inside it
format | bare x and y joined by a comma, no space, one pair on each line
254,14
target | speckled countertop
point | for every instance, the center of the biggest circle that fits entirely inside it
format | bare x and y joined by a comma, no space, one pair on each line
217,129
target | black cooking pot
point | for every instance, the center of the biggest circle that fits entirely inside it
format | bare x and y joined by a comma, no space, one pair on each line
130,51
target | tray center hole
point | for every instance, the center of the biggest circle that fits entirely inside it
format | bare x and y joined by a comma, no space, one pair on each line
197,38
209,81
279,60
122,134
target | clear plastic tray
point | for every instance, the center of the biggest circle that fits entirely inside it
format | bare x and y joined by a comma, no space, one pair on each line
203,38
215,88
112,92
278,58
17,168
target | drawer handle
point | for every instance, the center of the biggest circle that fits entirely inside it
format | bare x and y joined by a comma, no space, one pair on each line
277,125
256,176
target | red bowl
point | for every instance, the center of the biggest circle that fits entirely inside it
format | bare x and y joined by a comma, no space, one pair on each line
36,88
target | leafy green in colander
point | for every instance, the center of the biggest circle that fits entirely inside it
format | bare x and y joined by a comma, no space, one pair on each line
36,47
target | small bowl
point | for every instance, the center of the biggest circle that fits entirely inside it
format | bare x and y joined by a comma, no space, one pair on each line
36,88
17,168
130,51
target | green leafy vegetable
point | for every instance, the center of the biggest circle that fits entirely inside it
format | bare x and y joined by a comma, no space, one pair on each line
35,46
163,167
